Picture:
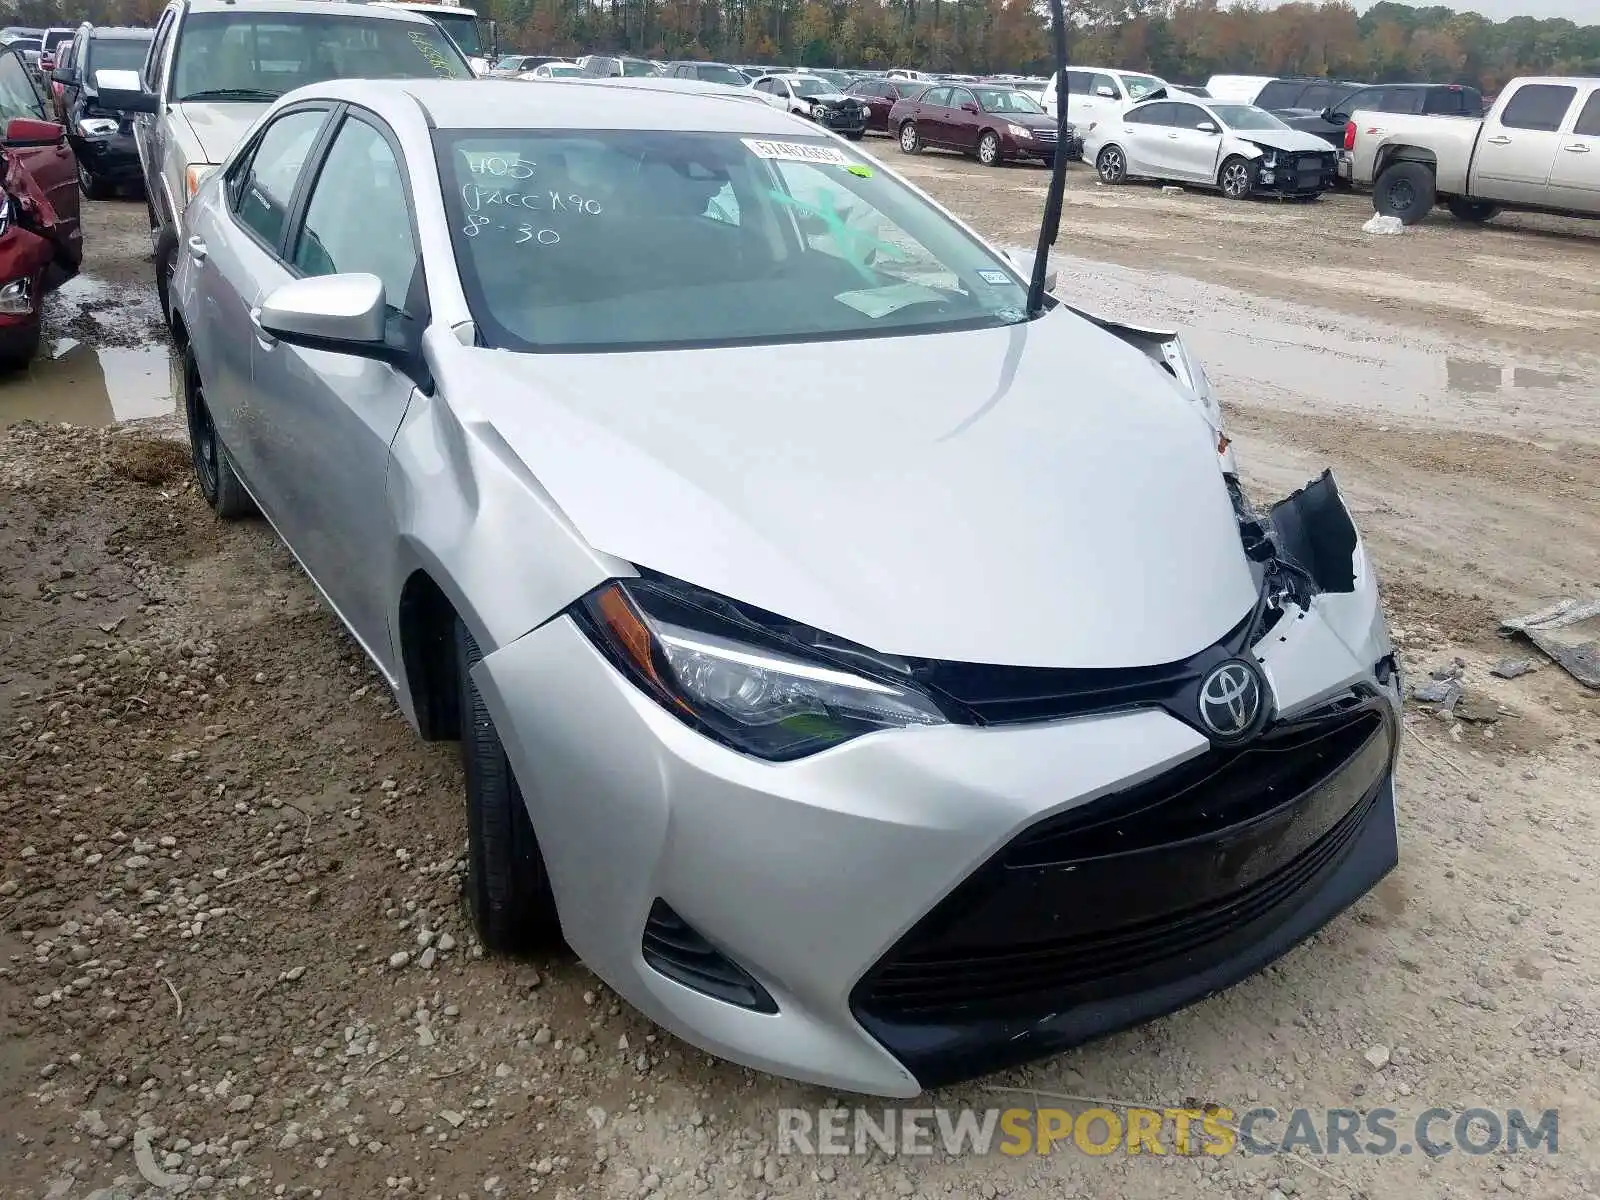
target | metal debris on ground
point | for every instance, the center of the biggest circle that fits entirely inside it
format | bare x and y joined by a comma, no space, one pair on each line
1569,632
1510,668
1444,693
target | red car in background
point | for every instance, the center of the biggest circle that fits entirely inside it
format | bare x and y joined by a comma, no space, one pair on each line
995,123
879,96
41,242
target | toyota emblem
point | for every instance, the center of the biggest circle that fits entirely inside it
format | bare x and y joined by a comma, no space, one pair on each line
1231,700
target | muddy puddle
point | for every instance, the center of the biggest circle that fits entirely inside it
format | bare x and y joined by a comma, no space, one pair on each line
1258,349
104,359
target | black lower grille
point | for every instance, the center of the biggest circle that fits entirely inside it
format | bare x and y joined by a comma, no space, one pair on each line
1146,886
674,948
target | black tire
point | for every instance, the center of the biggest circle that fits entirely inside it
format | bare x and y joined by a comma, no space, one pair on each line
1406,190
1111,164
989,152
508,889
1237,178
92,186
1474,212
166,264
857,136
22,350
213,469
910,139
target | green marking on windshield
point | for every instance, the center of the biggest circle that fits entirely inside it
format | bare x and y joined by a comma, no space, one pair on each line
856,247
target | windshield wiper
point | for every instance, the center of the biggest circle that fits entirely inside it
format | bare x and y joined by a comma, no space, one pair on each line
231,94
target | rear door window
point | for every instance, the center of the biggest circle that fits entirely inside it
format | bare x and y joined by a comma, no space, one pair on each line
1589,119
1280,93
1538,106
1445,102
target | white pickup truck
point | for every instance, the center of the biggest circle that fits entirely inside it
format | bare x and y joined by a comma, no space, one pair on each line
1537,150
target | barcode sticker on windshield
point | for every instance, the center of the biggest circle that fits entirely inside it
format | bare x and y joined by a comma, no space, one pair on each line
827,156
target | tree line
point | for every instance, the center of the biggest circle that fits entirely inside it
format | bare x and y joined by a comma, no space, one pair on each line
1181,40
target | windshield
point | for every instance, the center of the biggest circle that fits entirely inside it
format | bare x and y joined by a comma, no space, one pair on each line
462,28
1005,100
811,85
714,73
1140,86
251,55
1246,116
609,239
116,54
560,70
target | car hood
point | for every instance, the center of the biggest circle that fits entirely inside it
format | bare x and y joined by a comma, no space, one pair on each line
1033,495
1282,139
218,125
1026,120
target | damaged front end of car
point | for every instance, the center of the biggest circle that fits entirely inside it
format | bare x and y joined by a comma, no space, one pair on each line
33,258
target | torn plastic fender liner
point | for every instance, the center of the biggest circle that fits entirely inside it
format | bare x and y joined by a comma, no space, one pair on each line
1315,532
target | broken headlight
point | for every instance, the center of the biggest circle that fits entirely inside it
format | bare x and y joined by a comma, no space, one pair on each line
746,687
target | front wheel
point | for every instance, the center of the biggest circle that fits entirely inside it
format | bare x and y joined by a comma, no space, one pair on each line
910,139
1111,165
166,267
1405,190
91,185
857,135
989,149
508,890
1237,178
1474,212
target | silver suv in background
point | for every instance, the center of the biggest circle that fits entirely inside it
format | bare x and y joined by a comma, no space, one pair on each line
216,65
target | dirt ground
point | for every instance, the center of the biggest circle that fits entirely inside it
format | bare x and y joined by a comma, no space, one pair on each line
233,954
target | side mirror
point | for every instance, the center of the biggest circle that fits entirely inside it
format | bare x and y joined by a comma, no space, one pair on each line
29,131
1337,118
1108,93
122,91
341,313
1206,127
1326,114
64,75
970,106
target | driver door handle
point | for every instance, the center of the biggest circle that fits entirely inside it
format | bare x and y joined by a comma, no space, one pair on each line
1576,148
266,339
197,249
1501,140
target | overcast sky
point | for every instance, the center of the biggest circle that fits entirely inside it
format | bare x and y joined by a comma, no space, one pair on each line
1584,12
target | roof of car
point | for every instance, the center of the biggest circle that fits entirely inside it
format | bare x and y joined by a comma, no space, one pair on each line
341,8
576,104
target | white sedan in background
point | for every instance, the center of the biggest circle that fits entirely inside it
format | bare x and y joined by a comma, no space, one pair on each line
1239,149
554,71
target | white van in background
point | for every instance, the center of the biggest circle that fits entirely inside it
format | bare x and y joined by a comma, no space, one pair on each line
1099,94
1237,89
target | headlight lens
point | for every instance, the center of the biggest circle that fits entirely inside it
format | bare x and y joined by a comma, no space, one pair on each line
195,176
97,126
1017,131
746,686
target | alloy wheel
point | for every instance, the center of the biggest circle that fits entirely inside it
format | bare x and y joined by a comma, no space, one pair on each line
1236,180
908,137
1112,167
989,150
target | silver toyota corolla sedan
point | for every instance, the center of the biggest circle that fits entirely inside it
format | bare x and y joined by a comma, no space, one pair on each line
874,679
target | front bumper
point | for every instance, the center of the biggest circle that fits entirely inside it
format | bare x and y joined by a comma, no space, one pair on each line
848,121
1297,174
820,877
